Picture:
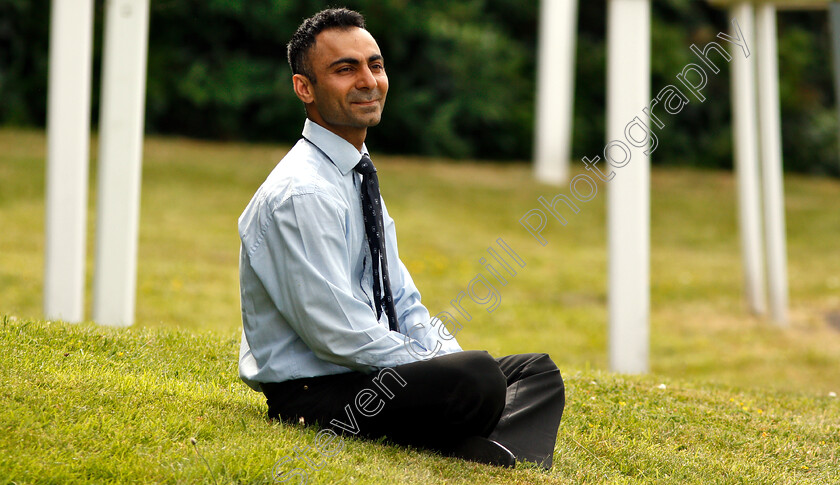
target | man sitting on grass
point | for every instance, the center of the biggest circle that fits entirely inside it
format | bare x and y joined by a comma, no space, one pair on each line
334,332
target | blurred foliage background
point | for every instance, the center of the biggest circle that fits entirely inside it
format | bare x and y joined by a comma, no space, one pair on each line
462,76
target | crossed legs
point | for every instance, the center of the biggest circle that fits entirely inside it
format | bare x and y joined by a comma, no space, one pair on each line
515,400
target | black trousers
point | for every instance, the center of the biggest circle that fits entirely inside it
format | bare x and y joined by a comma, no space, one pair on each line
517,400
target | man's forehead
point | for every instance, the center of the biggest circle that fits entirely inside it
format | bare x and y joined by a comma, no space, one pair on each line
352,42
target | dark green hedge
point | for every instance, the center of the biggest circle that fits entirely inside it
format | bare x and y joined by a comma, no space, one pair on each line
461,73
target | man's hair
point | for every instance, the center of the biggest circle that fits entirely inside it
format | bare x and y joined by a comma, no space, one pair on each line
303,40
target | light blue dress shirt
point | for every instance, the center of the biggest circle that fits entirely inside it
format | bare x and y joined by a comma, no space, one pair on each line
305,274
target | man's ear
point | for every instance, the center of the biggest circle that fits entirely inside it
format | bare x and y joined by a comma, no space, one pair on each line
303,88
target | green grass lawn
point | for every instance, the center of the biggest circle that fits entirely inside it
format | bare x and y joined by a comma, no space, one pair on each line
87,404
743,400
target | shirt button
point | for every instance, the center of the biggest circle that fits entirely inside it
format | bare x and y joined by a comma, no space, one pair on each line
305,387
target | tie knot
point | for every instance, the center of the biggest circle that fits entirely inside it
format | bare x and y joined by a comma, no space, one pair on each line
365,166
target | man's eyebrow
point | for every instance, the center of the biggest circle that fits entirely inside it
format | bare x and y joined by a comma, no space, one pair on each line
354,61
345,60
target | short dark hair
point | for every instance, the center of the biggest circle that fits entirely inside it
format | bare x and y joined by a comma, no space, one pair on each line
297,50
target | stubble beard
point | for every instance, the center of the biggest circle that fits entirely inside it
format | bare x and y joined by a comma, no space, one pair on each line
371,116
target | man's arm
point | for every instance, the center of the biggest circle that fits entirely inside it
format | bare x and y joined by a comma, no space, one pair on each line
302,260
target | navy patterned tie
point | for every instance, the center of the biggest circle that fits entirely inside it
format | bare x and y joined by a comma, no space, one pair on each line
372,211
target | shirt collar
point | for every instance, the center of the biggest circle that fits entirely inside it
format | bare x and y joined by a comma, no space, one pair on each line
341,152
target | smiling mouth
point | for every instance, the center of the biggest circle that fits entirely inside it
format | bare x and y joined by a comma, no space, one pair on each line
366,103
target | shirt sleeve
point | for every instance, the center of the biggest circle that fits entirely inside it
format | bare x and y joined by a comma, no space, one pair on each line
304,263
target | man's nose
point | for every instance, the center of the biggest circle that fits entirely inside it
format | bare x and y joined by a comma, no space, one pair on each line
366,79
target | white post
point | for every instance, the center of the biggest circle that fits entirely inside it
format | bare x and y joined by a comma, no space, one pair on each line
68,136
745,141
120,157
555,90
771,160
628,92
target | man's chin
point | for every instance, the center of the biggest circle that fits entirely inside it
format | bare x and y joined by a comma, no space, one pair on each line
372,120
370,116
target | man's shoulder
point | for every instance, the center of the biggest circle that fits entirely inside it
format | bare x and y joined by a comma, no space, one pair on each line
304,170
304,173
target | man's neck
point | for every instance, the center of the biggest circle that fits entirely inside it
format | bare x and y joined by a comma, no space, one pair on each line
353,136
